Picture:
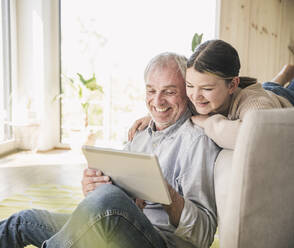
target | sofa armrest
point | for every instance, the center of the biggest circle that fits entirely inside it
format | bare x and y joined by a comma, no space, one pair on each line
222,175
259,209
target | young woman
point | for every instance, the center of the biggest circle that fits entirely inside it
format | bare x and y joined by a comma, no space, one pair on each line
221,98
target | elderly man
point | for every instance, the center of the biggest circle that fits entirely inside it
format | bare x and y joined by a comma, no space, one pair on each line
107,217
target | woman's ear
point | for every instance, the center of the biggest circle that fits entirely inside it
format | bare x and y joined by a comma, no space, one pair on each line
234,84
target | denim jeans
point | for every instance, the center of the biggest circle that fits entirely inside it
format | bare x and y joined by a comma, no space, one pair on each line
30,227
287,92
107,217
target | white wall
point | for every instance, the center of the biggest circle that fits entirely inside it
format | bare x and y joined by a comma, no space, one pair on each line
37,24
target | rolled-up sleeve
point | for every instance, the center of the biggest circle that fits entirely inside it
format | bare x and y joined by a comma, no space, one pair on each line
196,226
222,130
198,220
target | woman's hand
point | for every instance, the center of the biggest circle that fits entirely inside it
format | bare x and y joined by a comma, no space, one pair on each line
139,125
93,179
199,120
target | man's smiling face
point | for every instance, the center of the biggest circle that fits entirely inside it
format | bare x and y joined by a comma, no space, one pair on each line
166,97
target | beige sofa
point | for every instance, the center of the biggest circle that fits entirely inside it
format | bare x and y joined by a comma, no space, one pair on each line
254,184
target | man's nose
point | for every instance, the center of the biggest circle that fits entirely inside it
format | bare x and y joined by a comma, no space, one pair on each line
159,99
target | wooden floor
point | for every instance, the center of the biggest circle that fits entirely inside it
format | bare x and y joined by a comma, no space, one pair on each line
20,170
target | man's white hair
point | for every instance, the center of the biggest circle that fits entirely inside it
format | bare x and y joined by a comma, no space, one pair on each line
167,59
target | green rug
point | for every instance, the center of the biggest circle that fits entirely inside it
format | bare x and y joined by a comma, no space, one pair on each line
56,198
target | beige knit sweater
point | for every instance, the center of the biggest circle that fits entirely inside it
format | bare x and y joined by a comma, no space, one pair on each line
224,130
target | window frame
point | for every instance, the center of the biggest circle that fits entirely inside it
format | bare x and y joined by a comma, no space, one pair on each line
8,144
6,36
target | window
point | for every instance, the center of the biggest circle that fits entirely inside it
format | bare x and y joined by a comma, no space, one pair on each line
5,73
111,42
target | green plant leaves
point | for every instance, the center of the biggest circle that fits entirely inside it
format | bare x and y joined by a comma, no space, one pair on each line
196,41
90,83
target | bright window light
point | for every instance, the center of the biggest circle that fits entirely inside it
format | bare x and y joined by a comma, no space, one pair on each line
114,40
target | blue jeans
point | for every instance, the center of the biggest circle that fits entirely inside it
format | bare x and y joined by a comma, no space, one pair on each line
30,227
107,217
288,92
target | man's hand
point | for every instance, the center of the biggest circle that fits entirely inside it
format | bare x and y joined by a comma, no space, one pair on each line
199,120
140,203
93,179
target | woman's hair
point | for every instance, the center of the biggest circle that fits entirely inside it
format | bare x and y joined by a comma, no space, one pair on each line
219,58
165,59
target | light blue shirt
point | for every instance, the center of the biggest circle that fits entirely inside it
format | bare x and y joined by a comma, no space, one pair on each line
186,156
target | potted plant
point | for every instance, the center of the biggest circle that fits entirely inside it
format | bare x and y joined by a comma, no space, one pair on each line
85,92
197,38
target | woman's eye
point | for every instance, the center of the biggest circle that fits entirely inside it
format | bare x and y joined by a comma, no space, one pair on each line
189,85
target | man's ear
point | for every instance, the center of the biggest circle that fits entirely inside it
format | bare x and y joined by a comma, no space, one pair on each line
234,84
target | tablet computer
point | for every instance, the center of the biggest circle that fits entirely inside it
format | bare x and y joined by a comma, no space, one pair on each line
139,174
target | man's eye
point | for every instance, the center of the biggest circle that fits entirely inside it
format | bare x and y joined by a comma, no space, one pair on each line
170,92
189,85
208,89
150,91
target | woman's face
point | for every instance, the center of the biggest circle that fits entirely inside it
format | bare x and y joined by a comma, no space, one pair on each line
207,92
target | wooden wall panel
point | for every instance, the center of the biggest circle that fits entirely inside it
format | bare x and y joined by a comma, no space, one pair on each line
234,19
286,37
263,37
261,31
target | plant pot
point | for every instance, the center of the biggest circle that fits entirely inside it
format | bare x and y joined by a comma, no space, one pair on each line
80,137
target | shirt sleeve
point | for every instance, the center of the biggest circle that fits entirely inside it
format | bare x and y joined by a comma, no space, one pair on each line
222,131
198,219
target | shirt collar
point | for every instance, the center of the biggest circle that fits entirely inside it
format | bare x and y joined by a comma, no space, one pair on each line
169,130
